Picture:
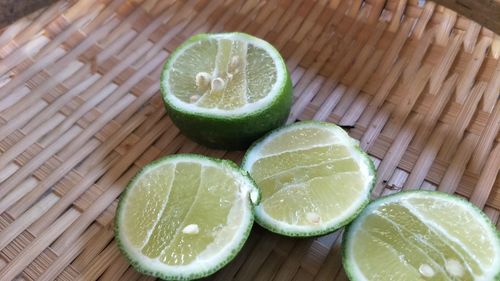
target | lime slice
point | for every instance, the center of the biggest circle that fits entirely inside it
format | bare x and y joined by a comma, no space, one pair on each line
313,178
185,216
422,235
226,90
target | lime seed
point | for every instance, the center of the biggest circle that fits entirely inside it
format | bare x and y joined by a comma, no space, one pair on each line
426,270
203,81
454,267
191,229
218,84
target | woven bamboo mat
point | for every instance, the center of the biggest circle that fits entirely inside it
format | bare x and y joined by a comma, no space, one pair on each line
80,113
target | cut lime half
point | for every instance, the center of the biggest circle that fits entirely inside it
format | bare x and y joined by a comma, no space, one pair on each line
225,90
313,177
421,235
185,216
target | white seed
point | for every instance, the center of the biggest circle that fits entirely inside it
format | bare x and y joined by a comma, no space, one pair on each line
191,229
234,64
454,267
313,217
203,80
218,84
194,98
254,196
426,270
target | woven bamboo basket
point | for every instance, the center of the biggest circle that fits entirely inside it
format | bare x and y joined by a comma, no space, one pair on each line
80,113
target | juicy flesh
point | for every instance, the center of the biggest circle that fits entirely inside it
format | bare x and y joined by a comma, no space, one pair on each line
247,74
421,239
307,177
168,201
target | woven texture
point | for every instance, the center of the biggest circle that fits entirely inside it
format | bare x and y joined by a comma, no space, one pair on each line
81,112
485,12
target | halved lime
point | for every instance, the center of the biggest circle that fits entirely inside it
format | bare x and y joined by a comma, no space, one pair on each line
185,216
226,90
313,178
422,235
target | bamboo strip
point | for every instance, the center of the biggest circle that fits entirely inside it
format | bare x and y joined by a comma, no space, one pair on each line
452,176
487,179
462,121
98,265
395,153
19,207
66,257
21,223
486,141
15,267
92,249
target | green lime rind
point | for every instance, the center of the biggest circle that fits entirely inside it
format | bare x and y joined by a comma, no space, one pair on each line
269,225
347,261
136,261
230,132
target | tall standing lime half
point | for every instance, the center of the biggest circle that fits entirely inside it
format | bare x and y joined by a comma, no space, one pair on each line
185,216
421,235
225,90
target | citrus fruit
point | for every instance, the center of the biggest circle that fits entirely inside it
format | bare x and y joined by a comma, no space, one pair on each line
225,90
185,216
421,235
313,178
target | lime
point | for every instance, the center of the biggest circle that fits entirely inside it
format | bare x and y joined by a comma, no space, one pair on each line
313,178
185,216
226,90
421,235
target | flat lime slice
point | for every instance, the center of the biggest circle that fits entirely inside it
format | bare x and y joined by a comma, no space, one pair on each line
185,216
313,177
225,90
422,235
